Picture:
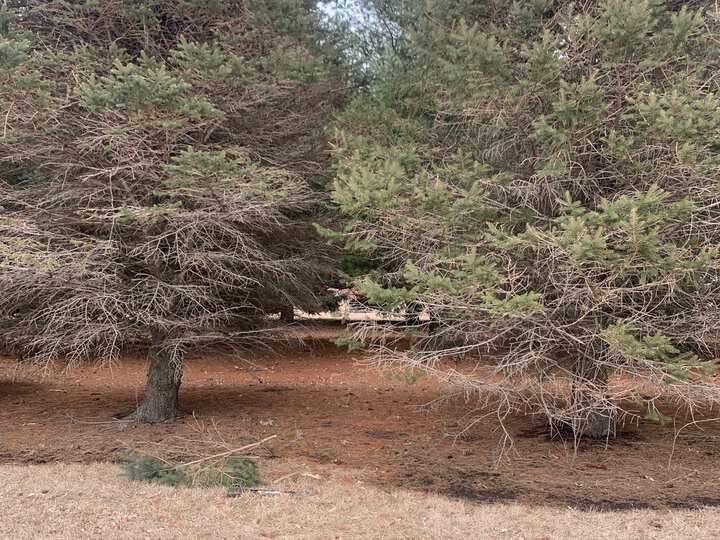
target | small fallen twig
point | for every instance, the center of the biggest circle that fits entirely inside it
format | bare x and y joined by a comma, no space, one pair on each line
115,421
677,434
239,492
229,452
694,472
230,467
297,473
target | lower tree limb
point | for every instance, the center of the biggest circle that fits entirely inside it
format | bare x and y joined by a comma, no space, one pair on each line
160,402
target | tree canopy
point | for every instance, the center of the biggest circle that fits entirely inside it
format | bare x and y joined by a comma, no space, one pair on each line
541,178
155,168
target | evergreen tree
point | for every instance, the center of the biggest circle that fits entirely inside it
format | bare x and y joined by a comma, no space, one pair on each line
542,178
155,159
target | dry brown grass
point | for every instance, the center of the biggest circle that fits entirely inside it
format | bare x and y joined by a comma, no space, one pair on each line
92,501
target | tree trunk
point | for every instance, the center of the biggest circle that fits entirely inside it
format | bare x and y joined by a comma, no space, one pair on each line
591,413
287,313
160,402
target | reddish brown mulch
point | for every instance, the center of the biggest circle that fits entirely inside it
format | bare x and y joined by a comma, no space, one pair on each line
326,407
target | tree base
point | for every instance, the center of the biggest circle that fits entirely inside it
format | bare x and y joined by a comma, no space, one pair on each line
593,425
152,417
591,414
160,402
595,421
596,425
287,314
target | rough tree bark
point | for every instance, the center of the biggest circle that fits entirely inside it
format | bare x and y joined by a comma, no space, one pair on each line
287,313
160,402
591,412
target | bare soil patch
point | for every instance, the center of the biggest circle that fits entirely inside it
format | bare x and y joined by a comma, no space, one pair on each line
329,409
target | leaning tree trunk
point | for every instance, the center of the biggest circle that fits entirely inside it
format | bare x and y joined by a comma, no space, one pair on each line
591,413
160,402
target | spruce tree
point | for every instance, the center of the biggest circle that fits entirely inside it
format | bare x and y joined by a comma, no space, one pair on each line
542,178
155,163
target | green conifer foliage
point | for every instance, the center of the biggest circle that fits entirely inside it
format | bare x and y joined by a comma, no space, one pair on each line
155,159
542,178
